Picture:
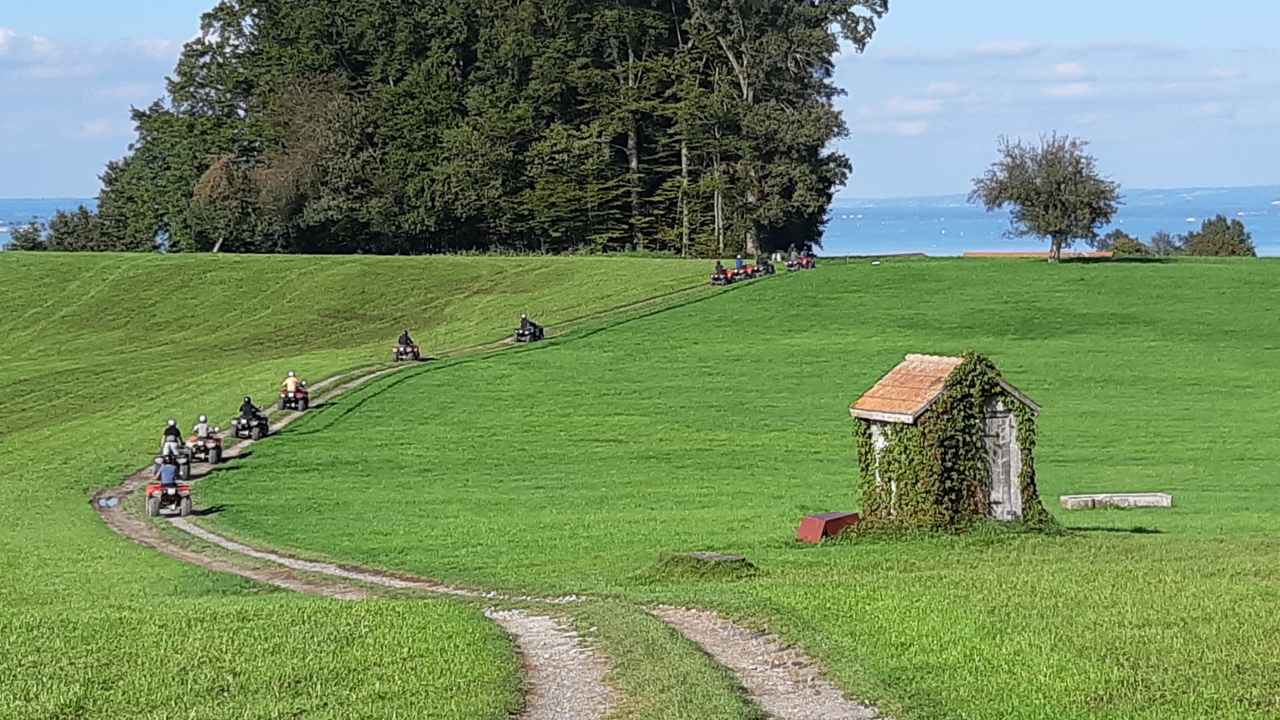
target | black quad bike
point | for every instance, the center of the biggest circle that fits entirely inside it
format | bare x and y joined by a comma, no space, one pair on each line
251,428
530,332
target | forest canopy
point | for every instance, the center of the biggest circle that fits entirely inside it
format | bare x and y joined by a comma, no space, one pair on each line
700,127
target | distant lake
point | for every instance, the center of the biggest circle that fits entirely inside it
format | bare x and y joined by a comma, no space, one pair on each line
949,225
942,225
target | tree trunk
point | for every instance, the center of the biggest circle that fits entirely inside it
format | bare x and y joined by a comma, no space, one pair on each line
633,162
753,238
717,204
1055,250
684,199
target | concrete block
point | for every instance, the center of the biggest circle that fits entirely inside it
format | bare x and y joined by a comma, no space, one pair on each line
1119,500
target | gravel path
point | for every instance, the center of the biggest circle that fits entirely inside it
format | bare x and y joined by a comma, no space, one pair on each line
565,677
783,681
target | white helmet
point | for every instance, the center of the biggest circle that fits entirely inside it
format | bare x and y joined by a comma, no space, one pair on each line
291,374
204,419
173,423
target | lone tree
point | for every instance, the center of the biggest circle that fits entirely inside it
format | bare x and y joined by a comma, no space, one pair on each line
1054,191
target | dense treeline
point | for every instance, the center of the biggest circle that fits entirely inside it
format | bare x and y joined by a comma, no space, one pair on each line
412,126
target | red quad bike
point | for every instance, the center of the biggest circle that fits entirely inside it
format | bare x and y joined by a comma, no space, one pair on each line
808,263
168,500
406,352
721,278
207,449
298,399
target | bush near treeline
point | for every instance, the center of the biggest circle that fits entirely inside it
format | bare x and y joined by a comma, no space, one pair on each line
1217,237
396,126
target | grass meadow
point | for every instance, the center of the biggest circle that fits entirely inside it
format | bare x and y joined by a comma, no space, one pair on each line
96,351
572,466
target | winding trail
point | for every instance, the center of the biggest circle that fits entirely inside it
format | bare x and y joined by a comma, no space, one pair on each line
564,676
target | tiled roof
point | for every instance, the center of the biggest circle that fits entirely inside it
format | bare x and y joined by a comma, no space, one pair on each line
909,389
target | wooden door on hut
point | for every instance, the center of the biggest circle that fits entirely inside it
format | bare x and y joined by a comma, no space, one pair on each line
1004,457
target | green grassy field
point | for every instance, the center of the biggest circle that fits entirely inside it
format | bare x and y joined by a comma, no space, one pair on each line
97,351
716,426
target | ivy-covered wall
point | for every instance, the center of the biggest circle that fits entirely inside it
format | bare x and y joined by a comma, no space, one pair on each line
936,473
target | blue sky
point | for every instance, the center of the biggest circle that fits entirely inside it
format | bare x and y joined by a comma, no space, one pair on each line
1172,93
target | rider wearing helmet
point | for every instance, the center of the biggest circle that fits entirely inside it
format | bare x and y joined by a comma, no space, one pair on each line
525,322
248,410
741,263
167,472
201,429
405,340
292,383
172,441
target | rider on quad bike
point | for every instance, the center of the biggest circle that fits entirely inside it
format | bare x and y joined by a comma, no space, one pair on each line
201,430
292,382
405,340
172,441
248,410
167,473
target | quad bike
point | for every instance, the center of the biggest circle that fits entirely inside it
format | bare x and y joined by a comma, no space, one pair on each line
721,278
298,399
808,263
182,460
168,500
793,266
531,334
764,268
252,428
406,352
206,449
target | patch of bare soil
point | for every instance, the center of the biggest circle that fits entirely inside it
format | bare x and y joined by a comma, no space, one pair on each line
783,681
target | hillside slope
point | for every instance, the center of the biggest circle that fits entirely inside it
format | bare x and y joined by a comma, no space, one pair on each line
718,425
96,351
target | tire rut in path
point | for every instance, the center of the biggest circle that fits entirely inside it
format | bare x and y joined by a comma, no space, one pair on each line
783,681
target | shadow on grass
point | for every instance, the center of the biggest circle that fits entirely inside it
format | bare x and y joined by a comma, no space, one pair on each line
1136,260
1136,530
211,510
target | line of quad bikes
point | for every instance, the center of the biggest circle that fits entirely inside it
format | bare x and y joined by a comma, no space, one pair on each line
763,267
176,499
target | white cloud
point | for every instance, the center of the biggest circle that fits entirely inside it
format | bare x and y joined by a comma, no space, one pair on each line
36,57
6,40
1070,91
900,55
944,90
1209,111
1004,49
159,49
127,93
1062,72
901,106
909,128
1222,73
102,128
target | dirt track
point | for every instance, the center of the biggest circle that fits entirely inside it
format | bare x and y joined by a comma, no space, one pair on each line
564,677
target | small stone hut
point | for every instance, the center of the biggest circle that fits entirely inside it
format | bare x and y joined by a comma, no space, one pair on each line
945,442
